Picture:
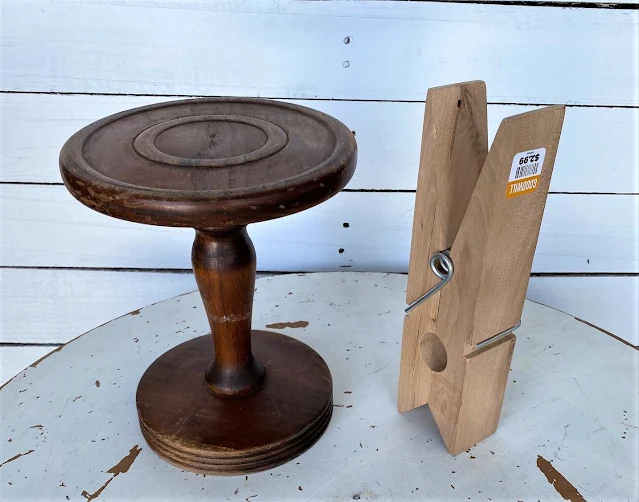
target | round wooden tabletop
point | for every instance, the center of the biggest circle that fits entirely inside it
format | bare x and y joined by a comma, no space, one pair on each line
209,162
568,427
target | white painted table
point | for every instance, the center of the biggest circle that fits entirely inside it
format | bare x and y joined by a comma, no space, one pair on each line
70,430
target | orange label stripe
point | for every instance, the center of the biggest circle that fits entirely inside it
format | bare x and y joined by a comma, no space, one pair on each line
521,187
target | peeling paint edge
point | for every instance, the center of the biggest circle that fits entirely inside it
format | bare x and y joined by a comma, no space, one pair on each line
16,457
612,335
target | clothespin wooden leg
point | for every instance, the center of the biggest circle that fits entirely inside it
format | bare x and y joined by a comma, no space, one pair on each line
454,148
458,344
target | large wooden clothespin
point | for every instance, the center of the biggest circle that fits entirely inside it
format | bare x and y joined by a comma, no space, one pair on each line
476,224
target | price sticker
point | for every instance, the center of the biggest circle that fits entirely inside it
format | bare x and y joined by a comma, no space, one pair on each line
525,172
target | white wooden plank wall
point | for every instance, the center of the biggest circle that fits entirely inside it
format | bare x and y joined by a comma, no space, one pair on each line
65,269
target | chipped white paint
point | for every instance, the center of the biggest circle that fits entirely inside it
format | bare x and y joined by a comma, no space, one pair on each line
69,425
14,359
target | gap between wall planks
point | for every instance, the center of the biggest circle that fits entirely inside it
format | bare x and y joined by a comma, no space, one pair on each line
298,49
594,140
45,226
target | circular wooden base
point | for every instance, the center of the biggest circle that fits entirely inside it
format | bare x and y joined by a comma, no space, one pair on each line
189,426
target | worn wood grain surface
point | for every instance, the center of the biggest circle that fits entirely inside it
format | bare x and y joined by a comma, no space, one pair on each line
69,424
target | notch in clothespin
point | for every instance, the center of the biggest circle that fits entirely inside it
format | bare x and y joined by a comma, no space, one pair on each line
475,229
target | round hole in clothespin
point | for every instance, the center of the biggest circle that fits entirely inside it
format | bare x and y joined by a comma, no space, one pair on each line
433,352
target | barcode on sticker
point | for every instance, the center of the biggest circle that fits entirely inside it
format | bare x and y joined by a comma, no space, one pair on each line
525,172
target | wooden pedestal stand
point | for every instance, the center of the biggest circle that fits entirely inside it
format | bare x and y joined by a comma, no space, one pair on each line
477,217
246,400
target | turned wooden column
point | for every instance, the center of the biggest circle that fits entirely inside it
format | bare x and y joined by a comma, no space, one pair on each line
249,399
224,267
